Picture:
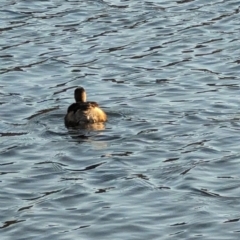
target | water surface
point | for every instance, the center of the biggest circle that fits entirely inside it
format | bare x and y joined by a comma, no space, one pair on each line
166,164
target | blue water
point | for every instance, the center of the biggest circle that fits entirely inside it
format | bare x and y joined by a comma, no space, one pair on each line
165,165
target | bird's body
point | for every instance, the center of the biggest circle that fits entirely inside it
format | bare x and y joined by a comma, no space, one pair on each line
82,112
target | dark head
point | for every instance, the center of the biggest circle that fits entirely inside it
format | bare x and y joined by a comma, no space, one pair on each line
80,95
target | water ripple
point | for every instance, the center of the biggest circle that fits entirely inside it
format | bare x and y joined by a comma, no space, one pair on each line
166,73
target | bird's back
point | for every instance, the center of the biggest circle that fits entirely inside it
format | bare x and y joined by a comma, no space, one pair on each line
84,112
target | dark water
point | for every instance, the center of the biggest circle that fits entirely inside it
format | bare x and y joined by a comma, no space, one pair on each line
167,164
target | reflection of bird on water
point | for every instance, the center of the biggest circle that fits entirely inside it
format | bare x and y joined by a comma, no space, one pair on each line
83,113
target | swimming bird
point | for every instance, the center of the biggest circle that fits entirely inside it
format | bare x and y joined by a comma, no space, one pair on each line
82,112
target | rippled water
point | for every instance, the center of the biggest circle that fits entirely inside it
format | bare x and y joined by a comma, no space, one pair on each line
167,164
